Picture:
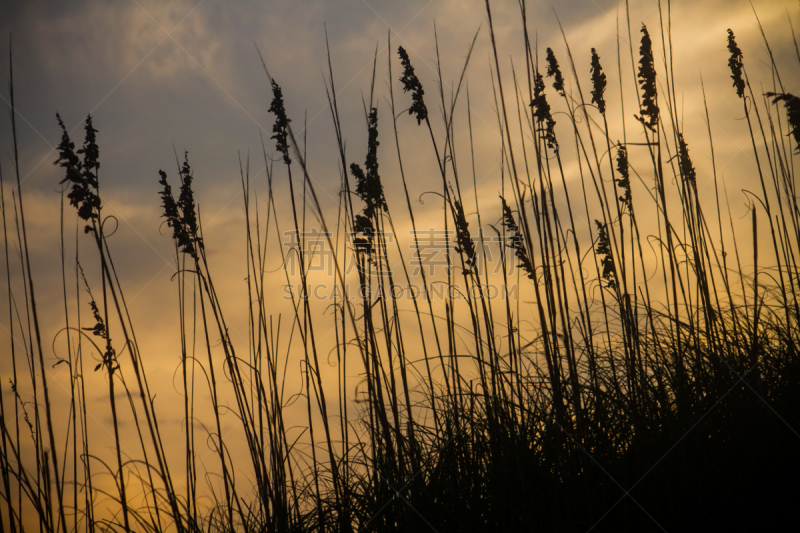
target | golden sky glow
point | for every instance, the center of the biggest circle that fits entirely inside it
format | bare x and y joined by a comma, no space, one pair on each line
157,75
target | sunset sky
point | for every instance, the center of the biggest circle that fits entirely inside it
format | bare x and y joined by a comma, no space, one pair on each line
161,77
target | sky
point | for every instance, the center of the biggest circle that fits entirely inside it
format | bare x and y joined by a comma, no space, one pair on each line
163,77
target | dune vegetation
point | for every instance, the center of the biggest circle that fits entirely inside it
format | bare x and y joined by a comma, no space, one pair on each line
657,390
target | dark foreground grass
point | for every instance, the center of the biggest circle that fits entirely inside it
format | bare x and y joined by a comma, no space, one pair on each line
638,402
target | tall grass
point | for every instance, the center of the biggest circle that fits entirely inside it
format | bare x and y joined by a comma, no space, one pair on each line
656,390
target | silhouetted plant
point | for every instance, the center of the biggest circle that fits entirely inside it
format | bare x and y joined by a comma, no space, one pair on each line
553,70
109,356
541,112
647,80
180,215
604,251
618,380
175,219
171,212
364,230
685,162
368,187
736,65
515,240
81,174
464,244
624,179
186,199
364,234
411,83
598,83
99,328
792,105
281,127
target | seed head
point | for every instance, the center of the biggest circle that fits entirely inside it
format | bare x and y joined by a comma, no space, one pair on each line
624,180
369,188
464,244
180,214
516,241
411,83
598,83
647,79
281,126
792,105
736,64
541,112
606,260
555,71
685,162
81,174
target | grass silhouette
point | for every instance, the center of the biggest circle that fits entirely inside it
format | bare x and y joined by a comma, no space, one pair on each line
641,401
